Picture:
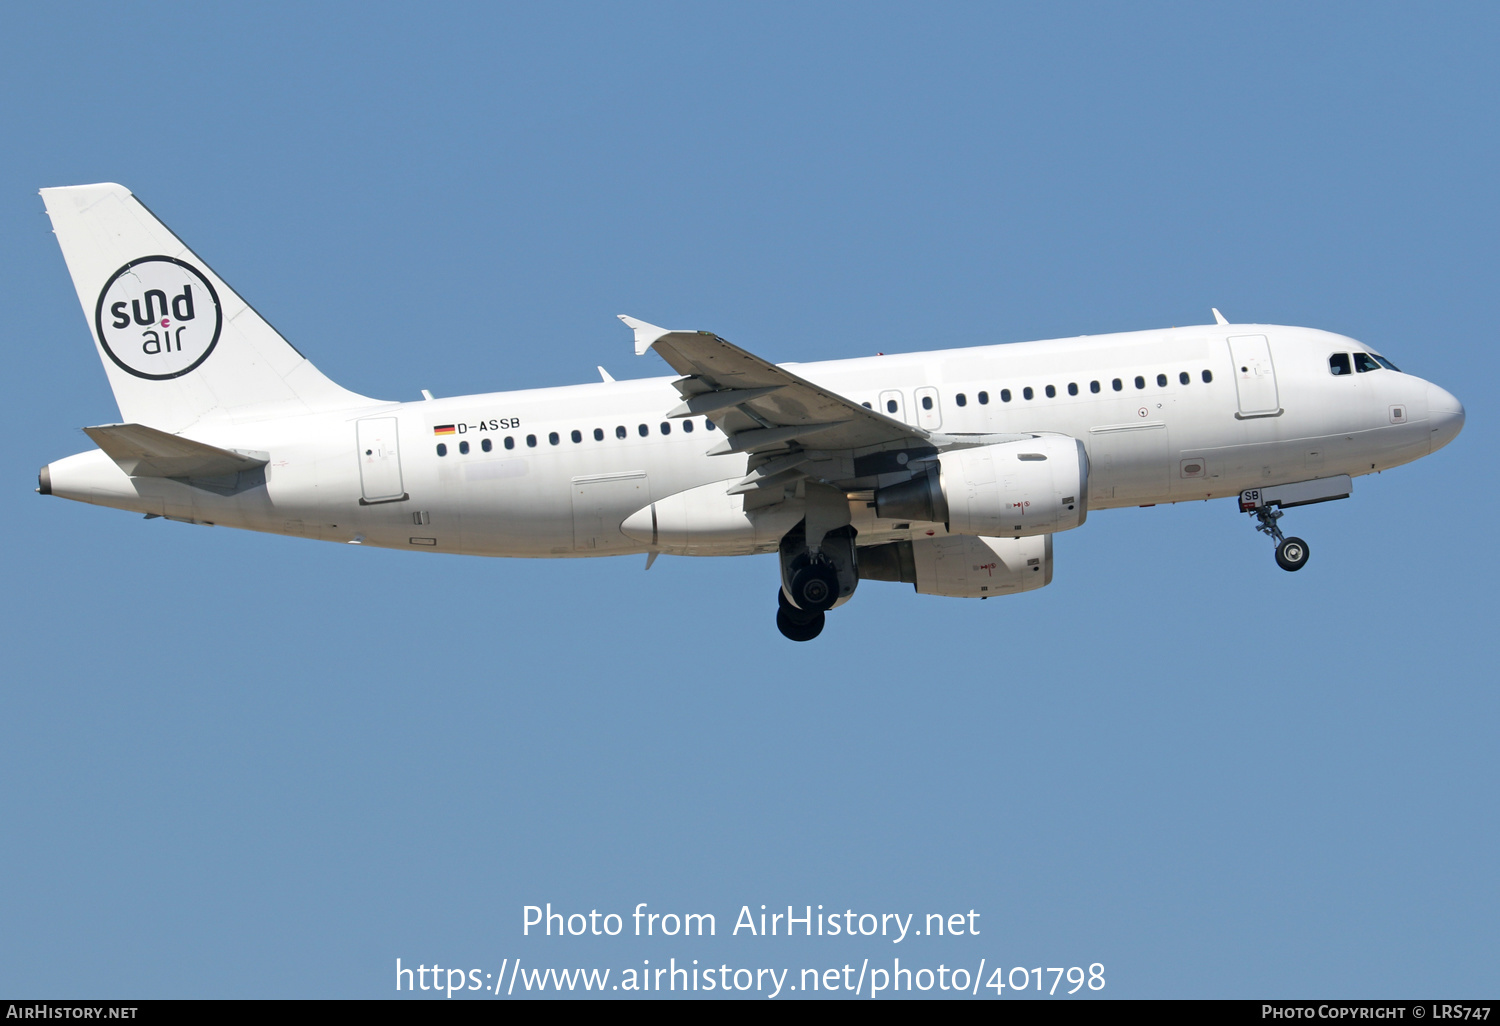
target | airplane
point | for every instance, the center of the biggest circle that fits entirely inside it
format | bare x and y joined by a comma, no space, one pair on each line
949,470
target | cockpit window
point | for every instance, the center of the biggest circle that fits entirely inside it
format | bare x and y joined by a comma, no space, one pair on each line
1365,362
1338,363
1388,365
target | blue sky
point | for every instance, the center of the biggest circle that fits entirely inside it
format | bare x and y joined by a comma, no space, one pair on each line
242,765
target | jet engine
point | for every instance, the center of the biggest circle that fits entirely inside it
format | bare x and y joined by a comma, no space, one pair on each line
1012,490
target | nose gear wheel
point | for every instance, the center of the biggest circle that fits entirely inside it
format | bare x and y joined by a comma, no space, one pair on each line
1291,553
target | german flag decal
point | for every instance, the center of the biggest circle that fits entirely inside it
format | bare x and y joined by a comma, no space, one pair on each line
444,429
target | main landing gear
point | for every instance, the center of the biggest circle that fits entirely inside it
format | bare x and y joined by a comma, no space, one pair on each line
797,624
813,582
815,588
1291,553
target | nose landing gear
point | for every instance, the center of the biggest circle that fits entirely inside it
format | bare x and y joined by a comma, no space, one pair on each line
1291,553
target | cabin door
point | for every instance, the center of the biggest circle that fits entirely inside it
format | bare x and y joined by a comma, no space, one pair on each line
379,461
1254,376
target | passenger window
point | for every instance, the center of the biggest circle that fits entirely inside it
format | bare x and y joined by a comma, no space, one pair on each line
961,399
1072,388
687,426
1338,364
1118,385
1184,378
620,431
486,445
867,406
1051,392
709,425
1027,393
643,430
1140,382
598,434
1363,362
463,448
1094,387
577,436
984,398
1161,381
890,406
927,402
442,449
552,437
666,428
510,442
1208,376
531,441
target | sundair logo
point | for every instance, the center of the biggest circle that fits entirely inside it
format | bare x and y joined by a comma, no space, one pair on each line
182,308
158,317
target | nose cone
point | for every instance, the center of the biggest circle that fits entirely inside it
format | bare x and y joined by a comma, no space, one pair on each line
1445,416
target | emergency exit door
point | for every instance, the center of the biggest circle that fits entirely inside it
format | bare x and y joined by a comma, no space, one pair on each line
893,404
1254,376
379,461
929,409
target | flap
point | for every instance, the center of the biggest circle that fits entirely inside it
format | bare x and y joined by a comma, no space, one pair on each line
142,451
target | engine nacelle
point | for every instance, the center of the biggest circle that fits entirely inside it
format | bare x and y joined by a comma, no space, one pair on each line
1011,490
962,566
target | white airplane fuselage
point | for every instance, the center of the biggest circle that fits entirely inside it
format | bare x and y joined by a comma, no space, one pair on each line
1222,422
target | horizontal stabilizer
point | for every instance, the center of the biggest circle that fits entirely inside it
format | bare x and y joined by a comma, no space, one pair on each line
142,451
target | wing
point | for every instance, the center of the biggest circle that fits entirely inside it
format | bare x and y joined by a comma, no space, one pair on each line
790,428
762,406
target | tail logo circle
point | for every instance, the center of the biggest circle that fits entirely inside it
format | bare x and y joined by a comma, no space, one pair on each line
158,317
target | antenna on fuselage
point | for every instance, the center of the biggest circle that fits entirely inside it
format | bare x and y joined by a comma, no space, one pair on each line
1218,317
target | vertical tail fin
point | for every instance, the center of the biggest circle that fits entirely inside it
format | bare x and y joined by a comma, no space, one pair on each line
179,346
